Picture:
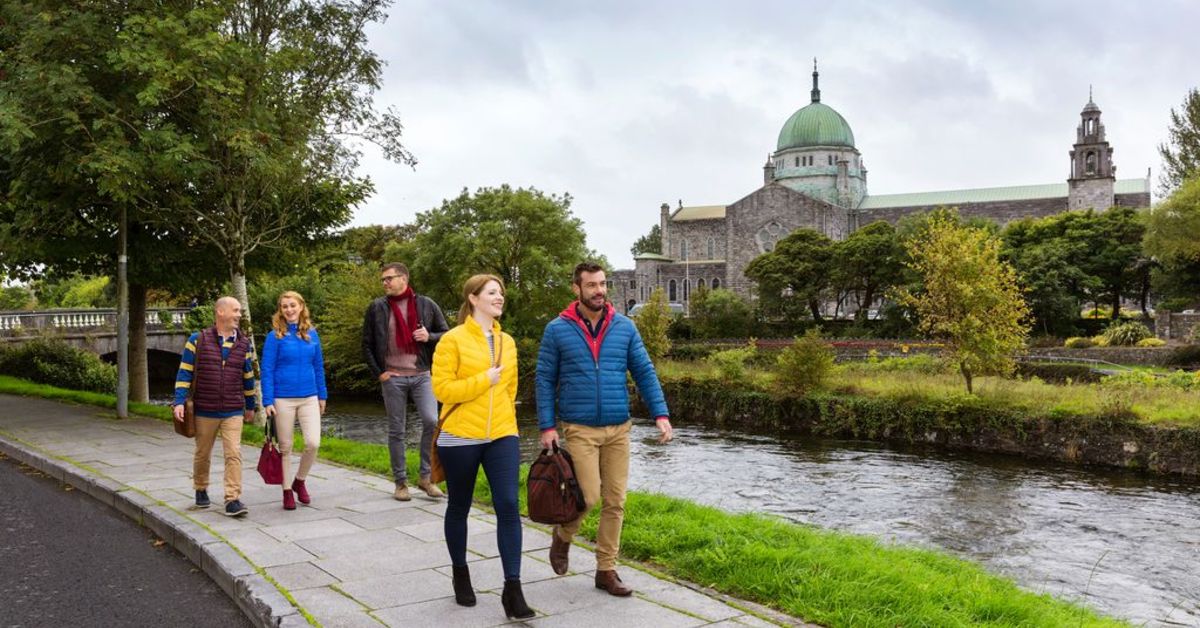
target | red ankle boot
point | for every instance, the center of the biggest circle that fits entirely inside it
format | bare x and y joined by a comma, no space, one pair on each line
289,501
301,491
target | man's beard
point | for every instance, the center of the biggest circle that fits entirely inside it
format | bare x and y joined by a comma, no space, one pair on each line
587,303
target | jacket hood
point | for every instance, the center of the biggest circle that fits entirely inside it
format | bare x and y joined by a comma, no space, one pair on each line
572,312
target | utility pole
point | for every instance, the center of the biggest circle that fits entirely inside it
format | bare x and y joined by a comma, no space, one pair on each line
122,317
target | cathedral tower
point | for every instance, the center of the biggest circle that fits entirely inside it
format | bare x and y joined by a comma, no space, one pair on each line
1092,170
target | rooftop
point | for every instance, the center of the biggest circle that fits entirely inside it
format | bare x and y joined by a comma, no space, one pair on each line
987,195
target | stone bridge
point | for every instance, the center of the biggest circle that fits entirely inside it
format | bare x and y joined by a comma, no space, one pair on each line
95,330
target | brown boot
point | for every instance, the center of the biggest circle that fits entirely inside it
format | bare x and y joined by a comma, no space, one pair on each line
401,493
558,552
611,582
430,488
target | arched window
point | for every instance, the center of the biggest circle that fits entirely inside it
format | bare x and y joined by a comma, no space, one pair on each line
699,283
686,291
683,250
1090,163
768,235
831,160
716,283
797,162
712,248
671,296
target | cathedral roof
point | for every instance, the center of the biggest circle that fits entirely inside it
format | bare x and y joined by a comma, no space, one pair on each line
699,212
985,195
816,124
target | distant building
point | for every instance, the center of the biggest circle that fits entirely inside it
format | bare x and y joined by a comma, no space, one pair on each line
816,179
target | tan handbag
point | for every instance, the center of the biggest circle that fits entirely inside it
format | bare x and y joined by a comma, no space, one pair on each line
187,427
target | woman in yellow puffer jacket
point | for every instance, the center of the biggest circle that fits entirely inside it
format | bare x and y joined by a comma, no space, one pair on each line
475,378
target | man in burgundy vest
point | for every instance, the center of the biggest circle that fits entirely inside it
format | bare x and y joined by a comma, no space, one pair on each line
218,368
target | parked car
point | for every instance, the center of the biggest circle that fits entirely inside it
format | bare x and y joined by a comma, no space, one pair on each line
676,309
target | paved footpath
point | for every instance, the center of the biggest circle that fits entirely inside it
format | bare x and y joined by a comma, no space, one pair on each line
356,557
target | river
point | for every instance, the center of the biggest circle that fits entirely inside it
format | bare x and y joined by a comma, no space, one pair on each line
1124,543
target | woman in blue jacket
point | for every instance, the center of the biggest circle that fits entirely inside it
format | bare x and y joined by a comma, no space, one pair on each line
293,384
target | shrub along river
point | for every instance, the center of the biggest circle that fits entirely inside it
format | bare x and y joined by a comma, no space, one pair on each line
1125,543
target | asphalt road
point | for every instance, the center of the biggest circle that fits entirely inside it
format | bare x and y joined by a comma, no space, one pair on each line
68,560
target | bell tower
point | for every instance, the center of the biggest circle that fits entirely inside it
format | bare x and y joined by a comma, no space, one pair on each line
1092,172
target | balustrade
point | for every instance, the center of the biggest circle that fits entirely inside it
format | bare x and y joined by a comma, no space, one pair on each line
14,323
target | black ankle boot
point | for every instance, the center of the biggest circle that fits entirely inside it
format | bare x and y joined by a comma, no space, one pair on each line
514,601
463,593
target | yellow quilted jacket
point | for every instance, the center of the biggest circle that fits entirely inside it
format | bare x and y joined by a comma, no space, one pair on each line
460,365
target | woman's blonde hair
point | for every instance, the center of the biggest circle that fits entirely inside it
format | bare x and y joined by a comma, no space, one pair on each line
474,286
279,322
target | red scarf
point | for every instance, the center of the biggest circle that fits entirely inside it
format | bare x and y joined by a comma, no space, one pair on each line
404,334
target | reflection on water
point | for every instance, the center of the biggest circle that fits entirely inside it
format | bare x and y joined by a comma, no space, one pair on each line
1123,543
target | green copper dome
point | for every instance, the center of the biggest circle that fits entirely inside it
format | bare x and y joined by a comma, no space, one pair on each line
816,124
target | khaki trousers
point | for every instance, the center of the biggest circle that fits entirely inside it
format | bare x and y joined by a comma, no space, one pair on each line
601,456
308,411
231,443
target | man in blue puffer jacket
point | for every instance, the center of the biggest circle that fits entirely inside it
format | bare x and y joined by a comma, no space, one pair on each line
581,369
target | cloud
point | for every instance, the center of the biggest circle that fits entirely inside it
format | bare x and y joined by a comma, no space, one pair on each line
626,105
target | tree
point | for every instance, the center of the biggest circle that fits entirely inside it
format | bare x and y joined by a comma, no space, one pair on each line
530,240
652,322
649,243
1114,238
970,299
720,313
867,264
1173,238
1181,153
260,99
1047,257
798,270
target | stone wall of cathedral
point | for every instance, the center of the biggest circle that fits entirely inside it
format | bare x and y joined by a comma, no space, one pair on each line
1000,212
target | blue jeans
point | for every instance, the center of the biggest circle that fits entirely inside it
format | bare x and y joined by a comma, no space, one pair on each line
500,460
396,391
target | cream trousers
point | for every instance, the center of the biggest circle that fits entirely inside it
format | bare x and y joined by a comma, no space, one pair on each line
307,410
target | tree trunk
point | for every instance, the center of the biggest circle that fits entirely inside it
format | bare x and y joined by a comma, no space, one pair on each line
1116,306
966,373
815,307
237,277
139,379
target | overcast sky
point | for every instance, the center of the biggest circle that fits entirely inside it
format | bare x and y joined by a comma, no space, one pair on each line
626,105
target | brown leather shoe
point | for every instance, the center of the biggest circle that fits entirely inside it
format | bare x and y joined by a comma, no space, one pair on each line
558,552
430,488
401,493
611,582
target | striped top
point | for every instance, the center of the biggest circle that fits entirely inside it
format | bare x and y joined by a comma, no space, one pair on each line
446,439
187,367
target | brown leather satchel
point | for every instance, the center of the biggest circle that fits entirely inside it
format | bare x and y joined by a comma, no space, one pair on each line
187,427
552,492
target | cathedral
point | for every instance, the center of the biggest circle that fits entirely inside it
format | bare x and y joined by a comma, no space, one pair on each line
816,179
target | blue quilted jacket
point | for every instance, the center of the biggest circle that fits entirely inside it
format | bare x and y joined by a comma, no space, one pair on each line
583,381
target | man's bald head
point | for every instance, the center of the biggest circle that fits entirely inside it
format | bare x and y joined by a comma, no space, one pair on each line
228,313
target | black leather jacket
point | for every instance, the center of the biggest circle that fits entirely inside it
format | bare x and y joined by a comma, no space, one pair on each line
375,337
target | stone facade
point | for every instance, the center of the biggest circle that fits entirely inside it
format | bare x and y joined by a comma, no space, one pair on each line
1176,326
817,180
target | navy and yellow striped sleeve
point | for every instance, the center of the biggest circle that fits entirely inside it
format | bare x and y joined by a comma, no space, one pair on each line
187,370
248,380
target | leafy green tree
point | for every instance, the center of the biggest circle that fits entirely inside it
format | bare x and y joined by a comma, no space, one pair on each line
649,243
720,313
1115,241
1181,152
16,298
1173,238
1048,260
798,270
868,263
351,289
370,242
652,322
805,365
970,298
527,238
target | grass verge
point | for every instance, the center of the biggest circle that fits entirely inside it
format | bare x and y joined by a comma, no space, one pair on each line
827,577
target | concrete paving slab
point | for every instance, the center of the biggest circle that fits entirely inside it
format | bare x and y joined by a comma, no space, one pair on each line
300,576
408,588
393,518
628,612
311,529
445,612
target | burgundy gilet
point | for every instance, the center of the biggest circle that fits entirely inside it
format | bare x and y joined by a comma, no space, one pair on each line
217,384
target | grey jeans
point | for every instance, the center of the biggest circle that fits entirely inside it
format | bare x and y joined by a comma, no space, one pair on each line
396,391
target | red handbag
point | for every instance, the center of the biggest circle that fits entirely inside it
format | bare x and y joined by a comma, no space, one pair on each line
270,461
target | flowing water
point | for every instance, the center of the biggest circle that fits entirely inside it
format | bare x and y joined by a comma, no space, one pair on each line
1126,544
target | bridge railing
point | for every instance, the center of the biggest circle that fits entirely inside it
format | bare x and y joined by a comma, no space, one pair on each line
67,321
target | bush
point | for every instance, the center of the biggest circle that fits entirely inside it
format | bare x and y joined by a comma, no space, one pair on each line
1187,355
920,363
1126,334
1151,342
200,317
691,353
52,361
1079,343
1058,373
805,365
731,363
720,313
